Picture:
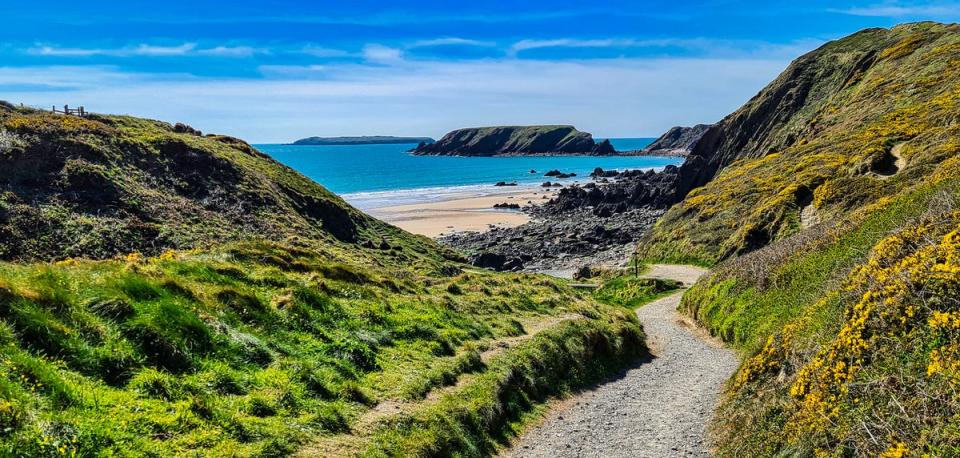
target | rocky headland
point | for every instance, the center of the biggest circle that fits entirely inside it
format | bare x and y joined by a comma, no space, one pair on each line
516,141
676,142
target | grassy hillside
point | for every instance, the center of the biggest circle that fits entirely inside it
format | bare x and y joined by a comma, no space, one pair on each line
105,185
839,275
172,294
822,138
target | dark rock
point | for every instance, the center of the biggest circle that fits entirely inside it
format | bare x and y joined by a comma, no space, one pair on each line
513,264
678,141
488,260
583,273
507,205
600,173
504,183
182,128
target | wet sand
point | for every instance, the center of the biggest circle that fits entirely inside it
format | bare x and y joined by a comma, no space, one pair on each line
468,211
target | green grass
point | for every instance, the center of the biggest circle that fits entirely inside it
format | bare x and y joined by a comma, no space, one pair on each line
626,290
257,348
837,322
484,414
859,103
745,311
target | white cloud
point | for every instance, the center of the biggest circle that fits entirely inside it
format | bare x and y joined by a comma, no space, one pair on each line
706,47
896,10
382,54
231,51
525,45
610,97
145,50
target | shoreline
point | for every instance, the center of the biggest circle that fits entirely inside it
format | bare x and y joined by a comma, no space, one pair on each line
436,212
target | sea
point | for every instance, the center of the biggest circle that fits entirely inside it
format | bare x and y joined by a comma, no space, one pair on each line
376,176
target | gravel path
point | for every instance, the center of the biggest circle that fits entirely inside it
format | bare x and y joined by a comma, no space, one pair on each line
660,408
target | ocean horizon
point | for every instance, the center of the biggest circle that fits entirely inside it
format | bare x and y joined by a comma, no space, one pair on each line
371,176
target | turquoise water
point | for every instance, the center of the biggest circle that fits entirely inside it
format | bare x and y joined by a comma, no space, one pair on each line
378,168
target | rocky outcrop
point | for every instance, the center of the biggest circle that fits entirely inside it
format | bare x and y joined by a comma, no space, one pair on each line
628,190
677,142
562,241
516,141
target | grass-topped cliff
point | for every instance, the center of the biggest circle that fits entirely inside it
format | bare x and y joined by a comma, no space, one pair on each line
171,294
516,141
831,199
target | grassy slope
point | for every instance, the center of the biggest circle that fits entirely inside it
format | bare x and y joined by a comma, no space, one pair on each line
846,326
238,308
106,185
843,130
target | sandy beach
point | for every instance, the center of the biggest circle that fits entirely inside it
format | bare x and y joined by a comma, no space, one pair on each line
464,211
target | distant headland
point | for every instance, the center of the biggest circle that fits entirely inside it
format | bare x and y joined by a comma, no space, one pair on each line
364,140
516,141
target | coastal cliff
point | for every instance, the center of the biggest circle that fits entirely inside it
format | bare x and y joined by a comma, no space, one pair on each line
516,141
677,142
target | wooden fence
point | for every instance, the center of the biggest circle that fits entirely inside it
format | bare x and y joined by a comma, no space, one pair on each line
70,111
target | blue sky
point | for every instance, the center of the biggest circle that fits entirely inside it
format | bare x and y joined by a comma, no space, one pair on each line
274,71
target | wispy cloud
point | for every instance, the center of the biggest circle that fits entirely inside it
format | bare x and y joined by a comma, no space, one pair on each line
450,41
896,10
381,54
146,50
704,47
425,97
525,45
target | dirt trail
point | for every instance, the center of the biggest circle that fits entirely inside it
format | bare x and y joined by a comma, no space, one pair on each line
659,408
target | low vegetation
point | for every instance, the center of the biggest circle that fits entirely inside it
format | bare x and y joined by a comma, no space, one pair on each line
169,293
255,348
630,291
828,148
837,278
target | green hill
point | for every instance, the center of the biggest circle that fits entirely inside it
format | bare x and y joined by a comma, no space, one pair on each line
829,201
171,294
